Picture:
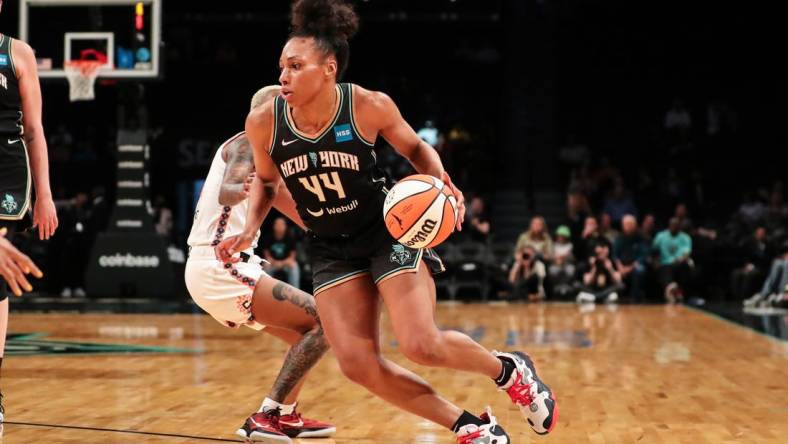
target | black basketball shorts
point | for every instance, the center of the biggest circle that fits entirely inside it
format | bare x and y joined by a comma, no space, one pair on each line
371,252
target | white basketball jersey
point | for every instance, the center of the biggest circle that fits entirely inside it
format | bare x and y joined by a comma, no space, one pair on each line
212,221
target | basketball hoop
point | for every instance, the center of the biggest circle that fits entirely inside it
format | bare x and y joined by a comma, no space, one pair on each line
82,73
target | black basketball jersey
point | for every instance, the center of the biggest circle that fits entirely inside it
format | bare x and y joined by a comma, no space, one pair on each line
334,179
10,99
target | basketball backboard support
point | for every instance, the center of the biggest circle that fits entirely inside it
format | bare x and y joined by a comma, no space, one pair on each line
127,32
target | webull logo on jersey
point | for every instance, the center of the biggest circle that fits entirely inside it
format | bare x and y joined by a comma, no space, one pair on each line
426,228
343,133
344,208
3,60
324,159
334,210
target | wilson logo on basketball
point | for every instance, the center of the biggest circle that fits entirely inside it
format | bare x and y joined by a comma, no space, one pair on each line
426,228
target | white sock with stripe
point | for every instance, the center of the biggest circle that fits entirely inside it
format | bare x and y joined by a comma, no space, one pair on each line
270,404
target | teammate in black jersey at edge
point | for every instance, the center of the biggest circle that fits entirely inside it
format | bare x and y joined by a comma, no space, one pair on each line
23,163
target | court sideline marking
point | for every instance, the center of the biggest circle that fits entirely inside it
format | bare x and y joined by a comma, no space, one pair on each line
134,432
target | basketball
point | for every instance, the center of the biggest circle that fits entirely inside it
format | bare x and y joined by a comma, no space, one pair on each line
420,211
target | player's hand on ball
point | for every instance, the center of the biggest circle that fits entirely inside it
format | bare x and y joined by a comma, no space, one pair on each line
14,265
460,199
226,250
45,218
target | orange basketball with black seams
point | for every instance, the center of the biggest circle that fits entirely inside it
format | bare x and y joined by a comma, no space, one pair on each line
420,211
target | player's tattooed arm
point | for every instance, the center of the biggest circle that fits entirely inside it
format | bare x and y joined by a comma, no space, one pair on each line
304,354
239,174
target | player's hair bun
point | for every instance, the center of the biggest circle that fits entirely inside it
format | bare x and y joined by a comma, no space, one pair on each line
329,19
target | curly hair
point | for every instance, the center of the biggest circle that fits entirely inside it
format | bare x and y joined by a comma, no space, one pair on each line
331,23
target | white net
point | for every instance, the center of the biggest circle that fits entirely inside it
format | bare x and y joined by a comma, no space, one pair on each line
81,76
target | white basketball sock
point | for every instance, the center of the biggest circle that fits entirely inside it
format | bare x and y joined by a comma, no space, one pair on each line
270,404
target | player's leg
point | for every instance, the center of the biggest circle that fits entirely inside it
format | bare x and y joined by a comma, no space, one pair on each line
278,304
4,292
3,331
420,339
413,321
350,313
290,419
290,337
290,314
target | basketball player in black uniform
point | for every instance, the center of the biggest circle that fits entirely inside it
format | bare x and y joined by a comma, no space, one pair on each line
318,137
23,156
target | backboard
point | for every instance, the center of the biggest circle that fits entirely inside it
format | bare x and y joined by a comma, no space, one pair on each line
126,32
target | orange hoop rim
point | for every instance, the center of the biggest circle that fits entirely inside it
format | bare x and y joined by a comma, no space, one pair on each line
85,67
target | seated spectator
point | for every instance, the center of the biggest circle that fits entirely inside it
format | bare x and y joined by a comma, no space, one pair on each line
775,288
602,282
619,203
630,253
756,254
527,275
478,220
537,237
279,250
674,248
647,228
562,270
606,228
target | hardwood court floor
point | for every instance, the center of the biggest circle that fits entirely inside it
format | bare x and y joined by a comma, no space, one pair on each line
653,374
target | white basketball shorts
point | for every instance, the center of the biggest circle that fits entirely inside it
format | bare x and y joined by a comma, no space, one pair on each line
224,292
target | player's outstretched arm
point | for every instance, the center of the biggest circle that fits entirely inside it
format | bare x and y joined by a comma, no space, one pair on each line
44,214
376,110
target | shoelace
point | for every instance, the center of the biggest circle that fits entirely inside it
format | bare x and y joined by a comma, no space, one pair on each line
468,439
520,392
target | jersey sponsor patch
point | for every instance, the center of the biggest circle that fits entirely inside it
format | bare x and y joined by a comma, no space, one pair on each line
343,133
3,59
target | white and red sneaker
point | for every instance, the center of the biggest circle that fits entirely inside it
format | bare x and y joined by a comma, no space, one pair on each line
263,427
488,433
536,401
296,426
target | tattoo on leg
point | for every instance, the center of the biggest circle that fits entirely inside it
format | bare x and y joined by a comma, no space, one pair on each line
284,292
301,357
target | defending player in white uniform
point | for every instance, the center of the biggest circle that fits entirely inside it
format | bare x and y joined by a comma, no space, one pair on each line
241,293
